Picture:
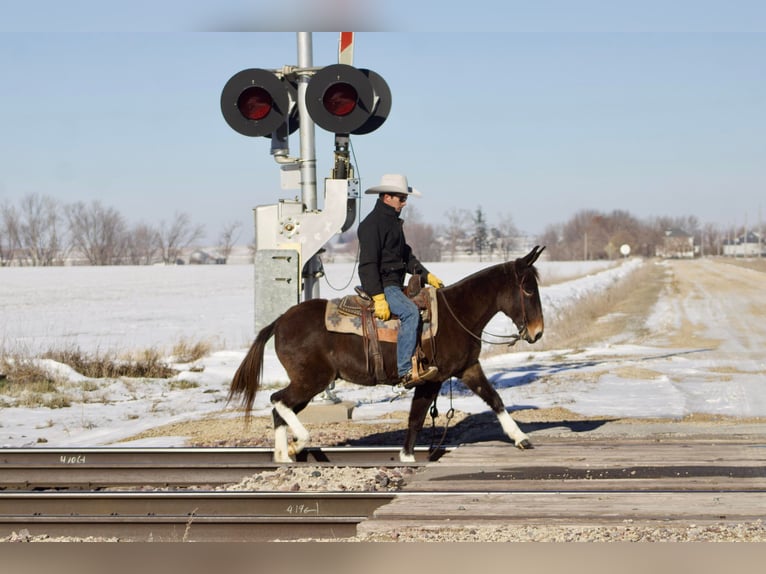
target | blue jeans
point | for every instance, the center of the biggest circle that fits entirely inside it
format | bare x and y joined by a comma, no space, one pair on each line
409,316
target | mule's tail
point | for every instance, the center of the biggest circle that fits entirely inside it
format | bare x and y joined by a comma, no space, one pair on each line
247,379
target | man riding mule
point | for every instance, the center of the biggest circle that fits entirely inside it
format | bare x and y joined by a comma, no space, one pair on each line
313,356
384,260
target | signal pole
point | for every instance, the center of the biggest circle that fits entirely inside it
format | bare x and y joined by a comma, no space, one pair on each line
308,164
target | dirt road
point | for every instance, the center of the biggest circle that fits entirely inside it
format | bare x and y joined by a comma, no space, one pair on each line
684,338
717,304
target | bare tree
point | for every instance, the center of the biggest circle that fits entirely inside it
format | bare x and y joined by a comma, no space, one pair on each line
584,236
494,241
40,230
97,232
480,232
590,234
457,229
710,240
175,237
553,239
421,237
142,244
251,250
9,233
591,226
622,229
508,233
346,245
227,239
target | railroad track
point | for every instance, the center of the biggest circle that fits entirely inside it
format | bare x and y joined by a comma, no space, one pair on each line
113,493
563,481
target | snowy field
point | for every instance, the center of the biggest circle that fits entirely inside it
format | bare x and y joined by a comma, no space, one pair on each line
132,308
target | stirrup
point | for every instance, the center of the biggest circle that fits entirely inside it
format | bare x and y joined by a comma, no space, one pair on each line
418,376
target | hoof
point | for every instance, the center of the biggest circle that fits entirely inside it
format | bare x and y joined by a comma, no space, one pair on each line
404,457
525,444
282,460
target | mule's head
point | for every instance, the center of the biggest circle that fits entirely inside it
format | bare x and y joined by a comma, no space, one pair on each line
525,309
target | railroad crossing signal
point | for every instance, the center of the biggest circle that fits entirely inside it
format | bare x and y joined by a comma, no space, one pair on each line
257,102
271,103
339,98
346,100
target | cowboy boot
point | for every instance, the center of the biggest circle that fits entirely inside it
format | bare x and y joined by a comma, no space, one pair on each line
418,375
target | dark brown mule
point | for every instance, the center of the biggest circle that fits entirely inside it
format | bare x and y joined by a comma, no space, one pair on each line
313,357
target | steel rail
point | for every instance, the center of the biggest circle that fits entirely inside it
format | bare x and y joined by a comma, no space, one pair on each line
98,468
188,516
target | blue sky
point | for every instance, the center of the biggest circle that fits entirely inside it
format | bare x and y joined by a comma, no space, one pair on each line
531,110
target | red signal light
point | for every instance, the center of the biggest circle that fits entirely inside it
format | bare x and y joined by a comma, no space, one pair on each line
255,103
340,99
347,100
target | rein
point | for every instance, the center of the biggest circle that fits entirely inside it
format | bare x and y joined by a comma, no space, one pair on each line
432,450
515,337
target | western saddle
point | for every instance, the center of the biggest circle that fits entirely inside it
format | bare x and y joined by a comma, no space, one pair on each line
361,305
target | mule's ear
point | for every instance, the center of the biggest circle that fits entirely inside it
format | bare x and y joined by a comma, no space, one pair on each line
532,256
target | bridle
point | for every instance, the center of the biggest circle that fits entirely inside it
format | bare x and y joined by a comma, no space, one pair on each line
516,336
524,331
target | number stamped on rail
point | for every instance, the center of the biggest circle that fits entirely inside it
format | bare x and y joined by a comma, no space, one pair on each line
303,508
72,459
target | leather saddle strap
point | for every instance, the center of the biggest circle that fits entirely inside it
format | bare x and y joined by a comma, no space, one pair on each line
370,334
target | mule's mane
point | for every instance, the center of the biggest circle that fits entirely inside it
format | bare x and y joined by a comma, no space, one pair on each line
480,276
513,268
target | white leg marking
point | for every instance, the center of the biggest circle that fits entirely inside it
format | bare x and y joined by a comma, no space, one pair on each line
301,434
511,428
280,445
404,457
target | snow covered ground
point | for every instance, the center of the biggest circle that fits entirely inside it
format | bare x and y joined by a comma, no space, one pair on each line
132,308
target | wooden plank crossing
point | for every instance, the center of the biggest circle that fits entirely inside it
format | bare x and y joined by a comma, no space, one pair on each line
586,482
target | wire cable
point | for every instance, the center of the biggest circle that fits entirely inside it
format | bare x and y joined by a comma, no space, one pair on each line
358,215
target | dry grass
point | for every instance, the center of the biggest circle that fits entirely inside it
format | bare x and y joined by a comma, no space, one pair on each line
25,380
756,263
27,384
20,370
181,385
618,312
187,351
147,364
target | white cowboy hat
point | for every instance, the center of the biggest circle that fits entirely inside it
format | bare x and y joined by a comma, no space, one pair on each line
393,183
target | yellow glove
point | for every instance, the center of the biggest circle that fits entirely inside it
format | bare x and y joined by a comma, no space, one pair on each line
434,281
382,310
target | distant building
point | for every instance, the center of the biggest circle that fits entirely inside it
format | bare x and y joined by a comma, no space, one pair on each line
677,244
200,257
750,244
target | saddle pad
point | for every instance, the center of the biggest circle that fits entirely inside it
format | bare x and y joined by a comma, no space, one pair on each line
338,322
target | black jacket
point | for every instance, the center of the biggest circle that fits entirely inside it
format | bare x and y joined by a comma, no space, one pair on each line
384,256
